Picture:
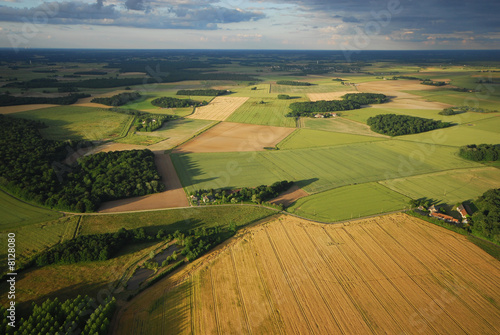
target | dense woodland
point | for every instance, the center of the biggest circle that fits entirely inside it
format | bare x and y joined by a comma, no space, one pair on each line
349,102
82,315
257,195
293,83
486,220
203,93
10,100
396,125
168,102
481,152
118,100
31,168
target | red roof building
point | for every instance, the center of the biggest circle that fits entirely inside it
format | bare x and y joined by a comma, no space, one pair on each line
444,217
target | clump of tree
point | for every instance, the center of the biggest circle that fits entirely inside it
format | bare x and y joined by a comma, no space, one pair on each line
88,248
396,125
149,122
432,83
196,242
349,102
30,168
168,102
449,111
284,96
481,152
486,220
476,109
366,98
258,194
82,315
293,83
10,100
118,100
203,93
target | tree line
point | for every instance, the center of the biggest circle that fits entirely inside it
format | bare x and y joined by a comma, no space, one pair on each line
293,83
396,125
168,102
480,153
118,99
486,220
30,168
81,315
10,100
208,92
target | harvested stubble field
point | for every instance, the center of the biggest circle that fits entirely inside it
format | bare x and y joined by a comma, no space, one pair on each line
393,274
231,137
219,108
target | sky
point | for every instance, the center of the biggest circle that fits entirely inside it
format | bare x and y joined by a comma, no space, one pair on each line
251,24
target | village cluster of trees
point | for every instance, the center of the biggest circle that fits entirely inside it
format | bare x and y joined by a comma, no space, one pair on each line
476,109
396,125
481,152
168,102
149,122
293,83
203,93
486,220
82,315
349,102
10,100
30,168
118,100
258,194
432,83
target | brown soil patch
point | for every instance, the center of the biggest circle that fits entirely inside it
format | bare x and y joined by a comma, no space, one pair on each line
23,108
117,147
173,197
328,96
229,137
219,109
399,99
289,197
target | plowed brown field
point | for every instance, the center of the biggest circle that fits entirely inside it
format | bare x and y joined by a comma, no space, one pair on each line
394,274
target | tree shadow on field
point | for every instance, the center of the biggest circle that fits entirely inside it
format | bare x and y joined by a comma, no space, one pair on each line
188,169
306,182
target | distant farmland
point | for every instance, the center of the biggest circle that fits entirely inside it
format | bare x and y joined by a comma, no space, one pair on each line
394,274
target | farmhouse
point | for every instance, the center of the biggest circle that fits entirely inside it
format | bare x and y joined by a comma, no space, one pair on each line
433,209
334,114
444,217
463,212
319,116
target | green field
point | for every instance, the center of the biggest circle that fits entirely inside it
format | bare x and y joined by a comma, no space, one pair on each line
78,123
174,219
454,98
348,202
322,88
270,113
16,213
338,124
308,138
450,186
170,134
315,169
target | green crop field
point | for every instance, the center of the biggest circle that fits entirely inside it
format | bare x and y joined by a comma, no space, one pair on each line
322,88
315,169
308,138
270,113
480,99
75,122
339,125
491,124
16,213
261,91
348,202
455,136
174,219
450,186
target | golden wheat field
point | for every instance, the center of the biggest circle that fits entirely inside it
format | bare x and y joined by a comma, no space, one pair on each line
219,109
393,274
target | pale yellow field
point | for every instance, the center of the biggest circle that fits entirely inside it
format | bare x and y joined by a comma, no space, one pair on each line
219,108
327,96
393,274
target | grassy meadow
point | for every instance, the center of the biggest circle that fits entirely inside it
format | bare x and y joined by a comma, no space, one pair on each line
270,113
308,138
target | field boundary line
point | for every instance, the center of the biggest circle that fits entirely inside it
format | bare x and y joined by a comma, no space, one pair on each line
198,133
287,278
77,229
341,283
312,278
386,277
409,276
239,291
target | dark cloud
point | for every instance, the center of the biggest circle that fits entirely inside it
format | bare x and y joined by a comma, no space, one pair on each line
135,13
